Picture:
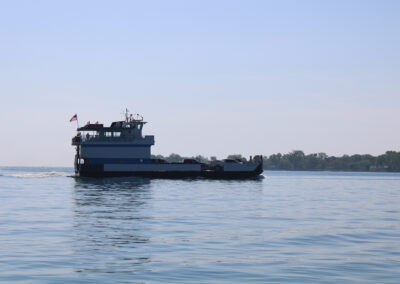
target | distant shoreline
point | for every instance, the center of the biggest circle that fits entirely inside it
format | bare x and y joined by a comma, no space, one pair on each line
298,161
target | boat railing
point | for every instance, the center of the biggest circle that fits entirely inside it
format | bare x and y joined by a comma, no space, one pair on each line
92,138
78,139
105,138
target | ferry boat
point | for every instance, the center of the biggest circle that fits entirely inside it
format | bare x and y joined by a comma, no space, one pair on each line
122,150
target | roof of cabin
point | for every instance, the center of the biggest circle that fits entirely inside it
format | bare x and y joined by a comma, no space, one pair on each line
115,126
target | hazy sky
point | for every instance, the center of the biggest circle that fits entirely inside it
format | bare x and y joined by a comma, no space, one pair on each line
210,77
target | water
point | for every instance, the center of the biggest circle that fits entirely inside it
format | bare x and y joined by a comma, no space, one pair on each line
290,227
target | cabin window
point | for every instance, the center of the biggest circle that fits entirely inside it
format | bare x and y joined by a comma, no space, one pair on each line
117,134
108,134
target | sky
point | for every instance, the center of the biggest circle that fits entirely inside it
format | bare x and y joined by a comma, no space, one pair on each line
210,77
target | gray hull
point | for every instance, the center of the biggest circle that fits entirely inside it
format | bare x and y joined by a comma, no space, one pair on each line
98,171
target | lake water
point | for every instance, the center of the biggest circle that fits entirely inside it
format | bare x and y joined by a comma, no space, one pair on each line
290,227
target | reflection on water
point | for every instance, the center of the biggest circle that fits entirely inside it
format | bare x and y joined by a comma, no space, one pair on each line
130,225
109,224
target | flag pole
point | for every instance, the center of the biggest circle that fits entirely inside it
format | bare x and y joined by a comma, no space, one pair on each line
77,123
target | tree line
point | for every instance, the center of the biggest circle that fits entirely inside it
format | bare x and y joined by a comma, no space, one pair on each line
298,161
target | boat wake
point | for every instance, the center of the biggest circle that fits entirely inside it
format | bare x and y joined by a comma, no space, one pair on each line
37,175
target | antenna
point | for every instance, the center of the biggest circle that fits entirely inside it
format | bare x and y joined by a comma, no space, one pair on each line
126,114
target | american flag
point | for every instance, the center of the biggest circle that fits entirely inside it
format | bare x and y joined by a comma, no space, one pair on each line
75,117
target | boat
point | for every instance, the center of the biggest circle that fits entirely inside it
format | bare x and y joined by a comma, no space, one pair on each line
122,150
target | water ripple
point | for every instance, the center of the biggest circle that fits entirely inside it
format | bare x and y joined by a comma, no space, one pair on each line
287,228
